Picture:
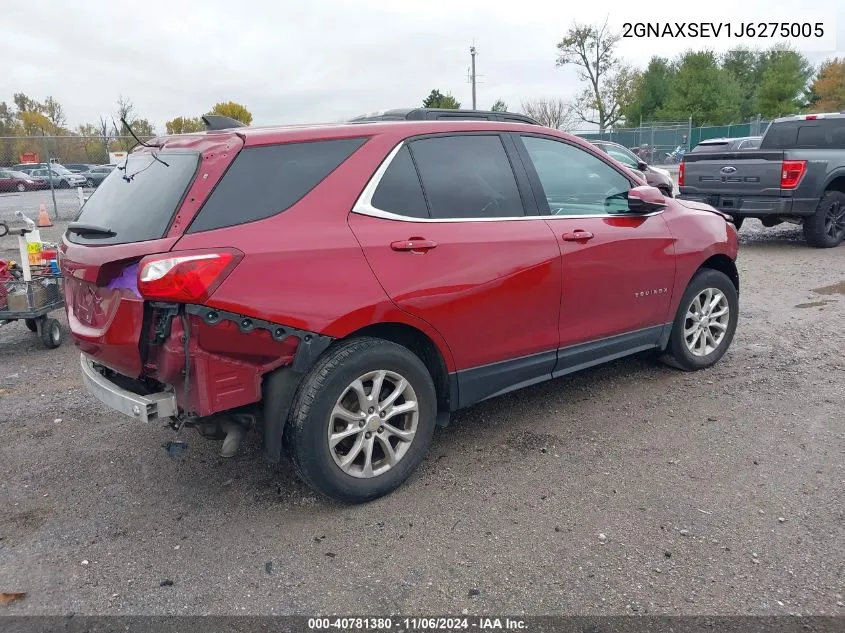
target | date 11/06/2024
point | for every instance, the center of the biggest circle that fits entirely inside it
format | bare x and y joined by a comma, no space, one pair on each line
723,29
481,624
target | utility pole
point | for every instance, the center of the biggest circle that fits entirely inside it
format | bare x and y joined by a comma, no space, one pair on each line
472,76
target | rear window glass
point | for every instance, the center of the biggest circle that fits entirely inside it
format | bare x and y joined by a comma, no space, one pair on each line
399,190
264,181
813,134
709,147
140,209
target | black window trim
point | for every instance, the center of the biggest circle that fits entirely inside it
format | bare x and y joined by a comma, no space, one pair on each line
539,192
364,205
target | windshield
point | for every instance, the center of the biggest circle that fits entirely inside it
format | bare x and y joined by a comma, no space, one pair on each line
60,170
141,208
17,174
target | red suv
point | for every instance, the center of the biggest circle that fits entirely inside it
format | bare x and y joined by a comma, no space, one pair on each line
344,288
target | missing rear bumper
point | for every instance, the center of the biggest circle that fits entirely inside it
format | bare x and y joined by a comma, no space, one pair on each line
146,408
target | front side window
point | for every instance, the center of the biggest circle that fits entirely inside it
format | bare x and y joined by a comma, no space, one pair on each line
467,176
574,181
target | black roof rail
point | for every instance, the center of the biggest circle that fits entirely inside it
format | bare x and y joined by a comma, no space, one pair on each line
441,114
219,122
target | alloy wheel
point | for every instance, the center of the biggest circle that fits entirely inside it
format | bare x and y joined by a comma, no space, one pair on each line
706,322
373,423
834,220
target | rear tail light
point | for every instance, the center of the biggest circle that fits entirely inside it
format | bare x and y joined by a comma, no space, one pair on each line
791,173
681,174
185,277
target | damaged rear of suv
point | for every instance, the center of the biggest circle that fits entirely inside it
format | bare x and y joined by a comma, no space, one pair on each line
342,289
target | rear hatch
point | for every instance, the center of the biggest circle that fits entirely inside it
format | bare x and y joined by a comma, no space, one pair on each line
140,209
720,177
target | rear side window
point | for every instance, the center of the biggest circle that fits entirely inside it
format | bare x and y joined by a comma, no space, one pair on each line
812,134
141,208
399,190
467,176
264,181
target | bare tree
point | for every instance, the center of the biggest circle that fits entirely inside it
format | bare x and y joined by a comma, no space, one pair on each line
104,133
554,113
593,50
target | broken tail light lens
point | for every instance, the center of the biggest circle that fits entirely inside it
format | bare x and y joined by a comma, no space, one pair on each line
791,173
185,277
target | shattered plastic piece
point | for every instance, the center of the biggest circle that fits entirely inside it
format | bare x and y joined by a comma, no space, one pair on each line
175,449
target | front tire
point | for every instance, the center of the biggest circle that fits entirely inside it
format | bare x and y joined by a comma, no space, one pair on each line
705,323
362,420
21,187
826,227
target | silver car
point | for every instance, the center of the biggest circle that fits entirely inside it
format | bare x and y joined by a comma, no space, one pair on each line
62,178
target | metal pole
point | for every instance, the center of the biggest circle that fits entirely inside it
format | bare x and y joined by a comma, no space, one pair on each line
50,176
472,53
689,135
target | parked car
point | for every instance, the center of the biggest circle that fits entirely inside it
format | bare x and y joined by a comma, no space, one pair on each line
478,258
727,144
61,177
655,176
796,175
96,175
77,168
11,180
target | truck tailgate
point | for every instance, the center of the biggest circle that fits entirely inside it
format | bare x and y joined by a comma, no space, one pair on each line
754,173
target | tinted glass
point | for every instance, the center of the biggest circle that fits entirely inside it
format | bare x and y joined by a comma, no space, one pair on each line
399,190
264,181
574,181
822,134
467,176
142,208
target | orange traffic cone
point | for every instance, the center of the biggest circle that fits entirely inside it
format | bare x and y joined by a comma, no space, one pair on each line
43,218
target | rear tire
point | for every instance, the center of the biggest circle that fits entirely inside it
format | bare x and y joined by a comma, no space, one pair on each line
705,323
51,333
826,227
90,183
21,187
336,399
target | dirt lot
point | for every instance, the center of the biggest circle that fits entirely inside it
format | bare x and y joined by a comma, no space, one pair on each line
718,492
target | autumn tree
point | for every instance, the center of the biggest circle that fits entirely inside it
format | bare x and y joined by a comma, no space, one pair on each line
184,125
592,50
142,128
554,113
829,86
437,99
233,111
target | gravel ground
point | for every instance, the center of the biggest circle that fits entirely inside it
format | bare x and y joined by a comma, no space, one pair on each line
720,492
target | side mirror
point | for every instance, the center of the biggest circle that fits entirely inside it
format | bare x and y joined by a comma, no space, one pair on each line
645,199
642,165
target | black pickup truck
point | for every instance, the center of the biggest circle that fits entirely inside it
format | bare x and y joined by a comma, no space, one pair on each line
797,175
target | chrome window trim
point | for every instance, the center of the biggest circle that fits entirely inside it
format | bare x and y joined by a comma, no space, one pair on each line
364,206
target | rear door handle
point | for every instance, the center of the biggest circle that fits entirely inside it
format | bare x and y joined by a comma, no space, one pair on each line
415,245
577,236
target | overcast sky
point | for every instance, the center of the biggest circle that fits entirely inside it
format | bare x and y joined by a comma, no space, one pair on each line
293,62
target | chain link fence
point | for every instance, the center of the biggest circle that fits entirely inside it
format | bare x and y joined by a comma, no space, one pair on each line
25,184
654,142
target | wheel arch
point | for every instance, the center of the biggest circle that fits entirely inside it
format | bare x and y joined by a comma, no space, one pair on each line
836,181
723,264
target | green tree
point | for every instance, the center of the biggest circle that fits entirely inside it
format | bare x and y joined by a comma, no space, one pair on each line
437,99
649,91
184,125
499,106
702,90
784,74
592,50
233,111
25,104
743,65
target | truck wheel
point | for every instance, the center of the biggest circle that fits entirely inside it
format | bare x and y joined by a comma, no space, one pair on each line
51,333
826,228
362,420
705,322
